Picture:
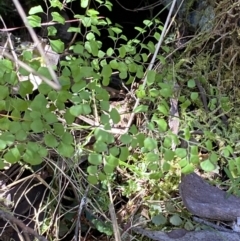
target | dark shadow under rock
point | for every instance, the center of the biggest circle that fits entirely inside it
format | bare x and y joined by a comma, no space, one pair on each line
206,201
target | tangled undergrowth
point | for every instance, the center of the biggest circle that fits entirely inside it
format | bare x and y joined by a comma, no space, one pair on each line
72,164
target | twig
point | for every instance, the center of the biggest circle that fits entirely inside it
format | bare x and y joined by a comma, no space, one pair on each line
113,216
9,41
31,70
51,23
78,229
203,95
212,225
9,217
153,60
36,42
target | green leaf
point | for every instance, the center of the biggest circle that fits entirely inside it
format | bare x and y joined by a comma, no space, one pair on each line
25,87
141,108
153,167
106,73
102,176
115,116
166,92
207,165
181,152
4,92
151,75
83,109
162,125
185,104
189,168
105,105
69,118
122,52
51,31
176,220
92,180
167,141
100,146
194,96
57,17
50,118
124,154
166,49
126,139
59,129
169,155
95,159
67,138
39,103
191,83
57,45
157,36
19,104
150,144
208,145
2,164
45,72
152,157
27,55
86,21
141,93
114,64
45,89
108,169
3,145
94,47
148,23
112,161
105,119
101,135
162,108
57,4
32,157
43,152
21,135
194,150
50,140
78,49
34,21
114,151
189,226
84,3
92,12
8,138
103,227
214,157
151,47
34,10
37,126
194,159
116,30
183,162
166,166
66,150
4,123
6,66
92,170
110,52
13,155
159,219
141,30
